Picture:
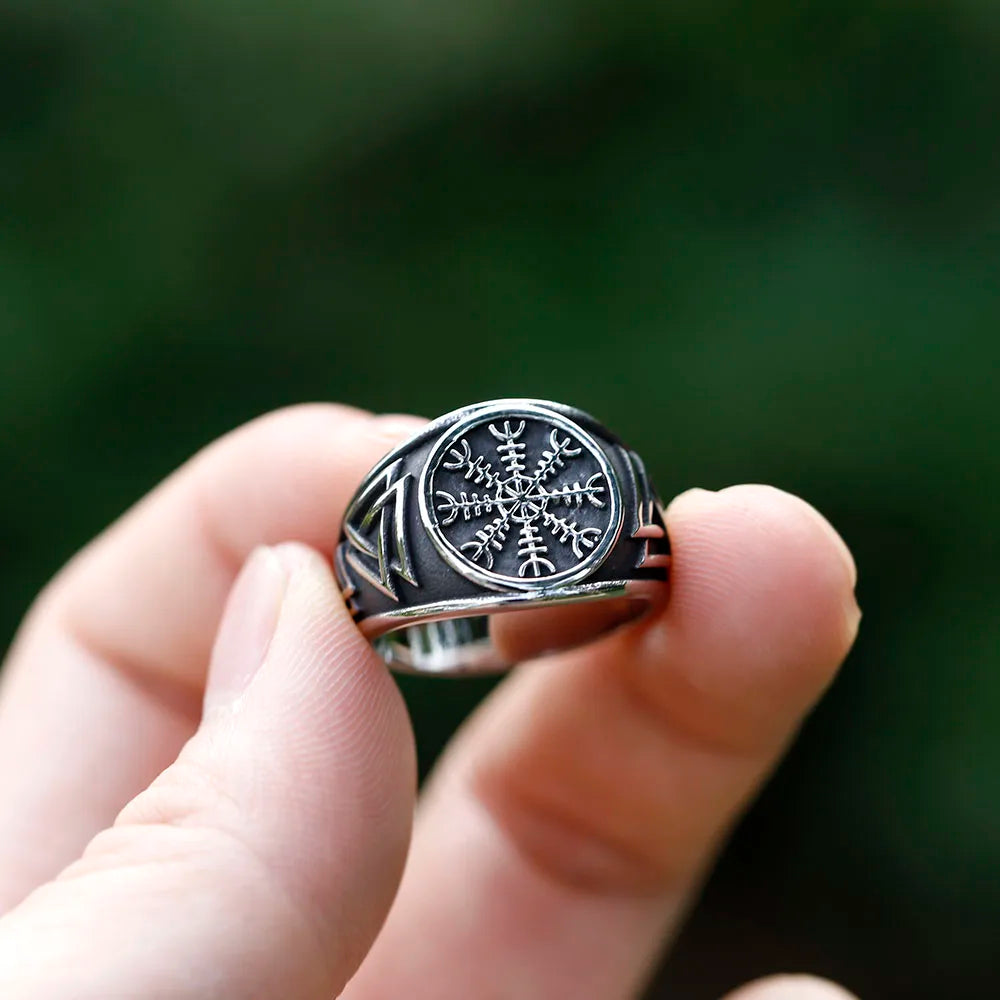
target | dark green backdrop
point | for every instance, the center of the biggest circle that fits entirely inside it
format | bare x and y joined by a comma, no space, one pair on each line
758,239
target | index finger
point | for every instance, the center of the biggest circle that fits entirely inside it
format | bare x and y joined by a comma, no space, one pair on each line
104,683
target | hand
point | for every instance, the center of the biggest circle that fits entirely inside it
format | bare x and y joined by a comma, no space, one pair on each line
198,810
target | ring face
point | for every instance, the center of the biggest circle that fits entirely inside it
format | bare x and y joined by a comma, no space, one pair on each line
520,498
499,506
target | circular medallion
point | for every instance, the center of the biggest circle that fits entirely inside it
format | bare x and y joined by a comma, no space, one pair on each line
520,497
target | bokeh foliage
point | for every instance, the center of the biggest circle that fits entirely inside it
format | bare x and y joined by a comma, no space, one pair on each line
758,239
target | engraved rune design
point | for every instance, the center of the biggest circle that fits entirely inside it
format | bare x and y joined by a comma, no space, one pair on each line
514,505
375,526
650,531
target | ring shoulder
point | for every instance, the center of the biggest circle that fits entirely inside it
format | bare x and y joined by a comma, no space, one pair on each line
648,525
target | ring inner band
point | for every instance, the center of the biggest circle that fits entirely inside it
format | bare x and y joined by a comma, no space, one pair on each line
482,643
452,646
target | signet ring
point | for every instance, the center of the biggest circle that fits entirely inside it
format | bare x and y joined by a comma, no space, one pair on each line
512,505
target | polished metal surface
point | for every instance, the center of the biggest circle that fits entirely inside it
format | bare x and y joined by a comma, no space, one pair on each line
514,504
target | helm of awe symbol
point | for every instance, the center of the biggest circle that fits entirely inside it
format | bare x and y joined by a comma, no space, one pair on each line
521,499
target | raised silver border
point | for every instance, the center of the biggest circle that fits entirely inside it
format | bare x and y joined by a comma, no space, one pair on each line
496,581
649,591
459,659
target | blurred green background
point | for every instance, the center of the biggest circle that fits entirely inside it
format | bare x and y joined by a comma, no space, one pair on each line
760,240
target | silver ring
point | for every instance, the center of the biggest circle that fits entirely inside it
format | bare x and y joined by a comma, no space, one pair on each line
508,505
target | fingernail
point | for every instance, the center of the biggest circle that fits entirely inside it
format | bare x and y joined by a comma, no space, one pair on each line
846,558
853,616
691,491
248,624
396,426
852,612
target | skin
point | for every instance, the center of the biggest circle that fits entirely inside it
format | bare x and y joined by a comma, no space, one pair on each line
208,777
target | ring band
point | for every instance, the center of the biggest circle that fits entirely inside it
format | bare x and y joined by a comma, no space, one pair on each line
506,505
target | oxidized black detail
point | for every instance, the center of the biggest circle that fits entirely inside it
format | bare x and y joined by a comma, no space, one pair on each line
520,500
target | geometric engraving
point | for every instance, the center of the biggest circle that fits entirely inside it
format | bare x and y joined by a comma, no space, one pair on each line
655,551
379,554
519,498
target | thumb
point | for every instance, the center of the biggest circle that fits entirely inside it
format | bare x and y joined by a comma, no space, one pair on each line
263,861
